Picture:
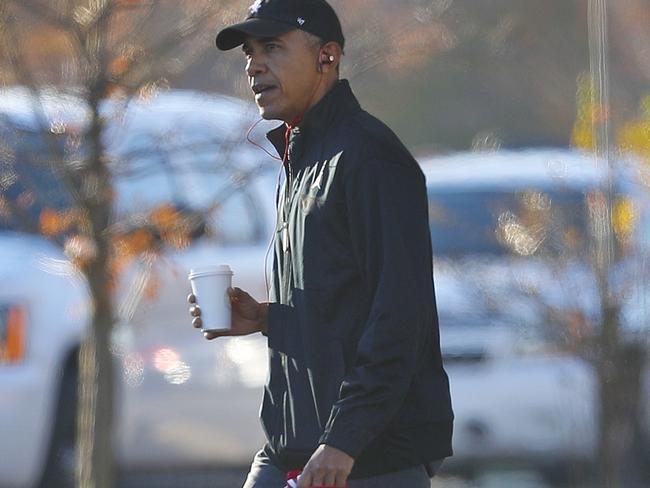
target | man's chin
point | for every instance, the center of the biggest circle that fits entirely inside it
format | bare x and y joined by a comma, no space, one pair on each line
268,114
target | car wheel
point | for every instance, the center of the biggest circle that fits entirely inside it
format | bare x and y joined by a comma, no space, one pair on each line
61,460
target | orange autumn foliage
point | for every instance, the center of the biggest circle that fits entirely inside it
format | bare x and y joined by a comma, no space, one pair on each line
166,217
51,222
134,243
119,65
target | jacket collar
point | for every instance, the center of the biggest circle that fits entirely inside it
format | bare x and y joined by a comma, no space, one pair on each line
338,102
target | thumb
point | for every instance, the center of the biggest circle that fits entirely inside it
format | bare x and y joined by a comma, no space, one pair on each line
239,294
304,480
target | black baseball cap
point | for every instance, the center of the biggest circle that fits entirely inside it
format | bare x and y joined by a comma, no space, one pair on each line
271,18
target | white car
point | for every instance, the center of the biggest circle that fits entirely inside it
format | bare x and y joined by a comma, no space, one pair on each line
43,313
181,401
519,392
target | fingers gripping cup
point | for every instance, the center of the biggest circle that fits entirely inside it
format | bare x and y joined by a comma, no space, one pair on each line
210,286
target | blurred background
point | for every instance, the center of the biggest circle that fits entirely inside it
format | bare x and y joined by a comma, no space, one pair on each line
124,162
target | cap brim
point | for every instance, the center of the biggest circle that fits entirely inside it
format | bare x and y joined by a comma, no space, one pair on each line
235,35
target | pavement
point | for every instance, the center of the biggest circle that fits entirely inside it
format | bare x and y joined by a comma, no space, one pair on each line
225,478
234,478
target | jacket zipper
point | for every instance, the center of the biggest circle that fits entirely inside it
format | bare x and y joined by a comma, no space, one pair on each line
286,241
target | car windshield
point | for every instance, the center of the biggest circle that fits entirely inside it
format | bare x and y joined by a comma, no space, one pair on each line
28,183
498,222
147,175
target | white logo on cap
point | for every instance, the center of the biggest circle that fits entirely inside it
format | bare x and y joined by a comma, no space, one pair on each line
300,20
256,6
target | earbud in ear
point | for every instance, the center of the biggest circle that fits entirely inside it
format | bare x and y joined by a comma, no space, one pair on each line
326,58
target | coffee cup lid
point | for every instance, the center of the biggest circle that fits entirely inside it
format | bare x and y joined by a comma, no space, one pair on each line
210,270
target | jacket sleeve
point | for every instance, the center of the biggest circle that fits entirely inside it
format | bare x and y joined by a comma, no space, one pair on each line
388,220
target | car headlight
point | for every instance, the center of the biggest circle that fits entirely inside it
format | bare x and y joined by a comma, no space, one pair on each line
13,334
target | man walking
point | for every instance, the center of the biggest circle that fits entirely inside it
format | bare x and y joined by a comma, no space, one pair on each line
357,394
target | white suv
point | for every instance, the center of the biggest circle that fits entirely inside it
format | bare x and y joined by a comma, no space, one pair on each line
510,236
181,401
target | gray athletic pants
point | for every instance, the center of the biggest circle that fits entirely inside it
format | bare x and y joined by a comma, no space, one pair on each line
264,474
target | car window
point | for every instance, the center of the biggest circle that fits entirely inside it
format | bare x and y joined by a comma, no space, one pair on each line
498,222
194,174
147,174
235,220
28,183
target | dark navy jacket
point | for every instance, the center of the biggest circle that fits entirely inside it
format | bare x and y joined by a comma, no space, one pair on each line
353,335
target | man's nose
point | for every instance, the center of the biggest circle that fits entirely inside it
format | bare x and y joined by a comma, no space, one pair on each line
254,66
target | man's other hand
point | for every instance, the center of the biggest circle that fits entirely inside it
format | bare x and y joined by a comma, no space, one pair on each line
248,315
328,466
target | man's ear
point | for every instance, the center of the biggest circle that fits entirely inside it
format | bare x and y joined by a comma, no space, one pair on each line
330,57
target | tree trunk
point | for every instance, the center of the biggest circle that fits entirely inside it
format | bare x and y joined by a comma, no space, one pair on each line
619,376
95,446
96,396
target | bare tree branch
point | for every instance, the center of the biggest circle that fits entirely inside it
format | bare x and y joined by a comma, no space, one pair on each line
16,61
42,11
188,29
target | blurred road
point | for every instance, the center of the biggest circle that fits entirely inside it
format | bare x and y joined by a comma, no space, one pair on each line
226,478
234,478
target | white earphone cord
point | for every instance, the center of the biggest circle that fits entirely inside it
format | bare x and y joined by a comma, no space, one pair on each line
275,232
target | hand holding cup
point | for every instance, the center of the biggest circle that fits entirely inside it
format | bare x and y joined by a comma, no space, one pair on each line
248,315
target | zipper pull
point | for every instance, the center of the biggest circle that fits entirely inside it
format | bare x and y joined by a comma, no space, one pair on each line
284,236
285,239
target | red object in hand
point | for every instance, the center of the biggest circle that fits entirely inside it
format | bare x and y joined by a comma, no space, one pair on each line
292,480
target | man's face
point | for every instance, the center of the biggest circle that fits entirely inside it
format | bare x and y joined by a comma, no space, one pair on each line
283,74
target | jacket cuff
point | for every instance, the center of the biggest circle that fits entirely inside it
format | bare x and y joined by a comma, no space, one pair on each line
275,317
346,436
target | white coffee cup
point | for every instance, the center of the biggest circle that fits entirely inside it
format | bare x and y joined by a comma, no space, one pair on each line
210,286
